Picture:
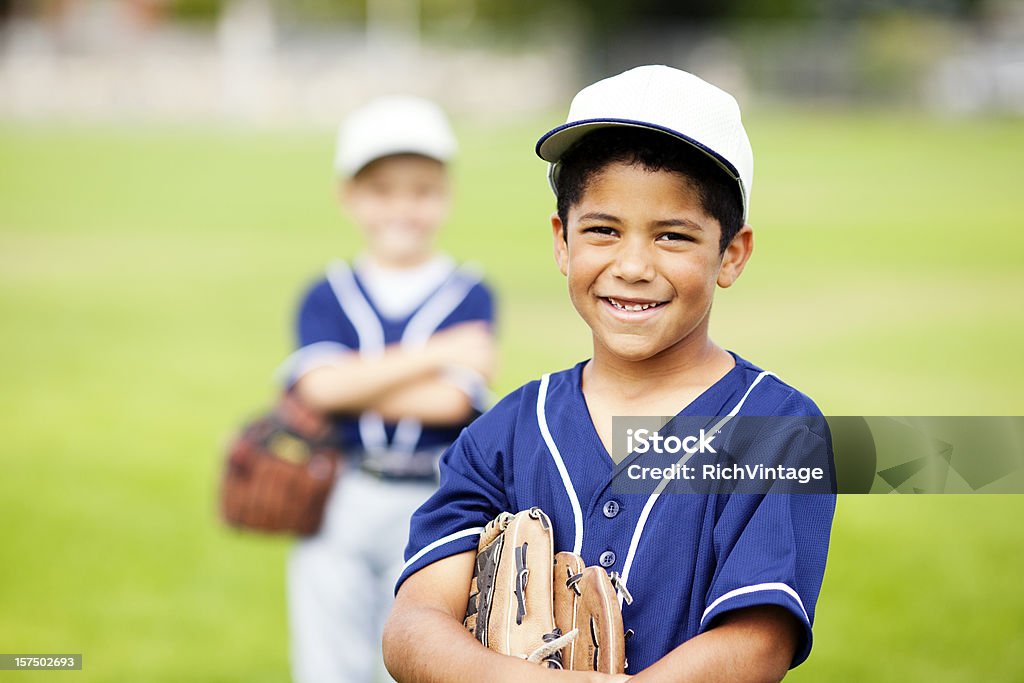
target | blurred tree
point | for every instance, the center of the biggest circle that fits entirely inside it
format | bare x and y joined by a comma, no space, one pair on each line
324,11
603,16
195,10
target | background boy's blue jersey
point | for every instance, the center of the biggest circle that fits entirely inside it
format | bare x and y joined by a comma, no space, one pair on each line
685,558
338,315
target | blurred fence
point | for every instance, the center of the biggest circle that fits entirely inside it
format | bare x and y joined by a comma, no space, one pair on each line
100,64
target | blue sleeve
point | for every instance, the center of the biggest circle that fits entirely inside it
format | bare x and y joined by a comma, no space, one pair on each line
322,332
471,493
771,550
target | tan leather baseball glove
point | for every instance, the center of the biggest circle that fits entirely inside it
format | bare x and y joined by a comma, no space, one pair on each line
587,600
527,602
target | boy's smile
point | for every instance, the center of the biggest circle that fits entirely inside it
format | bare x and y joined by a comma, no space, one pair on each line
642,260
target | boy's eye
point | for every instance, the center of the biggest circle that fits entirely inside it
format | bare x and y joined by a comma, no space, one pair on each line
675,237
600,230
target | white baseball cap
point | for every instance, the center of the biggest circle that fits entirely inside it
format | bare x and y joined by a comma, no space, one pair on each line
663,99
398,124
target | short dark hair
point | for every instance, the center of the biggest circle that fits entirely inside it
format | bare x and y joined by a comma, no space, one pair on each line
718,193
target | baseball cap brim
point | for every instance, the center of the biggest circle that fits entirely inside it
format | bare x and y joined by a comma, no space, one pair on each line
553,145
384,152
397,124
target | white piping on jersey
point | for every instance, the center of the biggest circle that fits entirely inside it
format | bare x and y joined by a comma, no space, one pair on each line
645,513
440,542
371,341
472,383
426,320
757,380
407,434
542,422
754,589
357,308
418,330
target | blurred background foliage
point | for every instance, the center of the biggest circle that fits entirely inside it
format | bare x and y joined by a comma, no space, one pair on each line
609,13
903,52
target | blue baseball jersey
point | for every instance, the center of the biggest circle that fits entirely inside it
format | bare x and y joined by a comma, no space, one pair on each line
338,315
685,558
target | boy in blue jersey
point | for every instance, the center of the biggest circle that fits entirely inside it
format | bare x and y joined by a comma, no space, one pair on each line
652,174
397,347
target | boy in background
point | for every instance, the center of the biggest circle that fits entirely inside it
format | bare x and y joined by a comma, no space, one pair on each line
652,175
397,347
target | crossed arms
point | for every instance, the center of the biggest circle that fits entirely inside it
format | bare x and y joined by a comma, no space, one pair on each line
404,382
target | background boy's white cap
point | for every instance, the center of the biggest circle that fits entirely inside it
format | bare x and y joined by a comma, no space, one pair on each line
398,124
663,99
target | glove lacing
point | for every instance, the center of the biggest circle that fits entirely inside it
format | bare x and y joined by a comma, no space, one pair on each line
620,587
550,652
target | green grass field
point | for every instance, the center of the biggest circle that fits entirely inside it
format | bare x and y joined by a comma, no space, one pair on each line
147,281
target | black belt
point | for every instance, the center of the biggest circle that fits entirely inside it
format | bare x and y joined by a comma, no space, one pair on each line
396,466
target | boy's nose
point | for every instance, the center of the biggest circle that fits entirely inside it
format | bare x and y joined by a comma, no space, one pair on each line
403,205
633,262
404,212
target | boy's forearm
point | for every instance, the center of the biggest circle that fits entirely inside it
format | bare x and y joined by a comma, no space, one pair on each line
753,645
426,645
355,383
433,401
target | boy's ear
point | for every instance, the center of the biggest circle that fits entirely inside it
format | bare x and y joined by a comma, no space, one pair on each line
561,248
735,257
343,192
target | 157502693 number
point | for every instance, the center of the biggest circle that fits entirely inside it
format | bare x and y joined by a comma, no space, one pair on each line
10,662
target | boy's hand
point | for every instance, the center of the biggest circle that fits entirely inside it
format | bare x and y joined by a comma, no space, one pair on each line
468,345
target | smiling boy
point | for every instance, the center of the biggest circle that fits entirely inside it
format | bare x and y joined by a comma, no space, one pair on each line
652,174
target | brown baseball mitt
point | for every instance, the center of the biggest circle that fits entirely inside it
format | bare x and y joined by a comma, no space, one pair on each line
510,606
587,600
527,602
280,470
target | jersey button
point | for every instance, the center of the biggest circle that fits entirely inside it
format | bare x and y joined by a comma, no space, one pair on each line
607,558
611,508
